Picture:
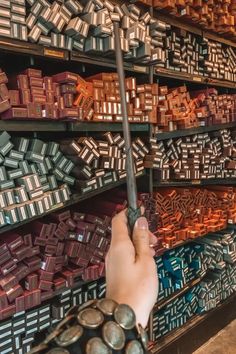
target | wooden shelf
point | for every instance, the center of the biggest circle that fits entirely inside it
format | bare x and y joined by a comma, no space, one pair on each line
197,330
176,294
106,126
36,125
186,132
195,183
10,45
75,198
172,74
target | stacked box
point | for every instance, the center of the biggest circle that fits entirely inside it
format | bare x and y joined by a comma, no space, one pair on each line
180,109
30,180
199,156
141,99
13,19
88,26
66,95
35,97
178,267
19,333
195,55
101,162
219,283
51,255
191,213
220,18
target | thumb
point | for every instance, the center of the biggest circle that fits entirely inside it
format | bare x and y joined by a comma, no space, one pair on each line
141,237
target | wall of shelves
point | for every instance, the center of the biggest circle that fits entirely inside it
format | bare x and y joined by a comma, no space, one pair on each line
193,333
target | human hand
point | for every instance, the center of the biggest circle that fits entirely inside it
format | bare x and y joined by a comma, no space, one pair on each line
131,272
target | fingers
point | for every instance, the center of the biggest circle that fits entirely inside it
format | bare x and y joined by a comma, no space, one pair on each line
152,239
141,238
120,227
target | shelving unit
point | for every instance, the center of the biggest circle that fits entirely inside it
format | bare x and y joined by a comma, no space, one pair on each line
75,199
197,330
194,333
196,183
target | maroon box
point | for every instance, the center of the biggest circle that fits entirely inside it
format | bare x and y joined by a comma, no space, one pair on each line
4,93
8,267
50,249
69,112
20,303
44,275
45,285
14,97
52,241
32,298
25,96
59,283
31,282
33,73
9,311
41,99
4,106
13,293
28,240
22,82
37,91
34,110
14,241
40,241
22,252
33,262
35,82
65,77
21,271
15,113
50,111
8,282
48,83
50,97
3,299
60,249
5,257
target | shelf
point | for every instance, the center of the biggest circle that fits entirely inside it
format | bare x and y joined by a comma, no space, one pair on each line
194,183
76,198
36,125
197,330
10,45
103,126
32,125
176,294
185,132
194,78
106,62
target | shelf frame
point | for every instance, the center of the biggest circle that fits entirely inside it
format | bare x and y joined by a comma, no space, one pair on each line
192,131
195,183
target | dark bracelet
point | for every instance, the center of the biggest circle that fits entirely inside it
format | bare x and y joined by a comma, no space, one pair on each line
97,327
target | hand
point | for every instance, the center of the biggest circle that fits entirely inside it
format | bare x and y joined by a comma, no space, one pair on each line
131,272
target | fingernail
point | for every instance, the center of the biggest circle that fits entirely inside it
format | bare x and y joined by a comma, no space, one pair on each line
141,223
